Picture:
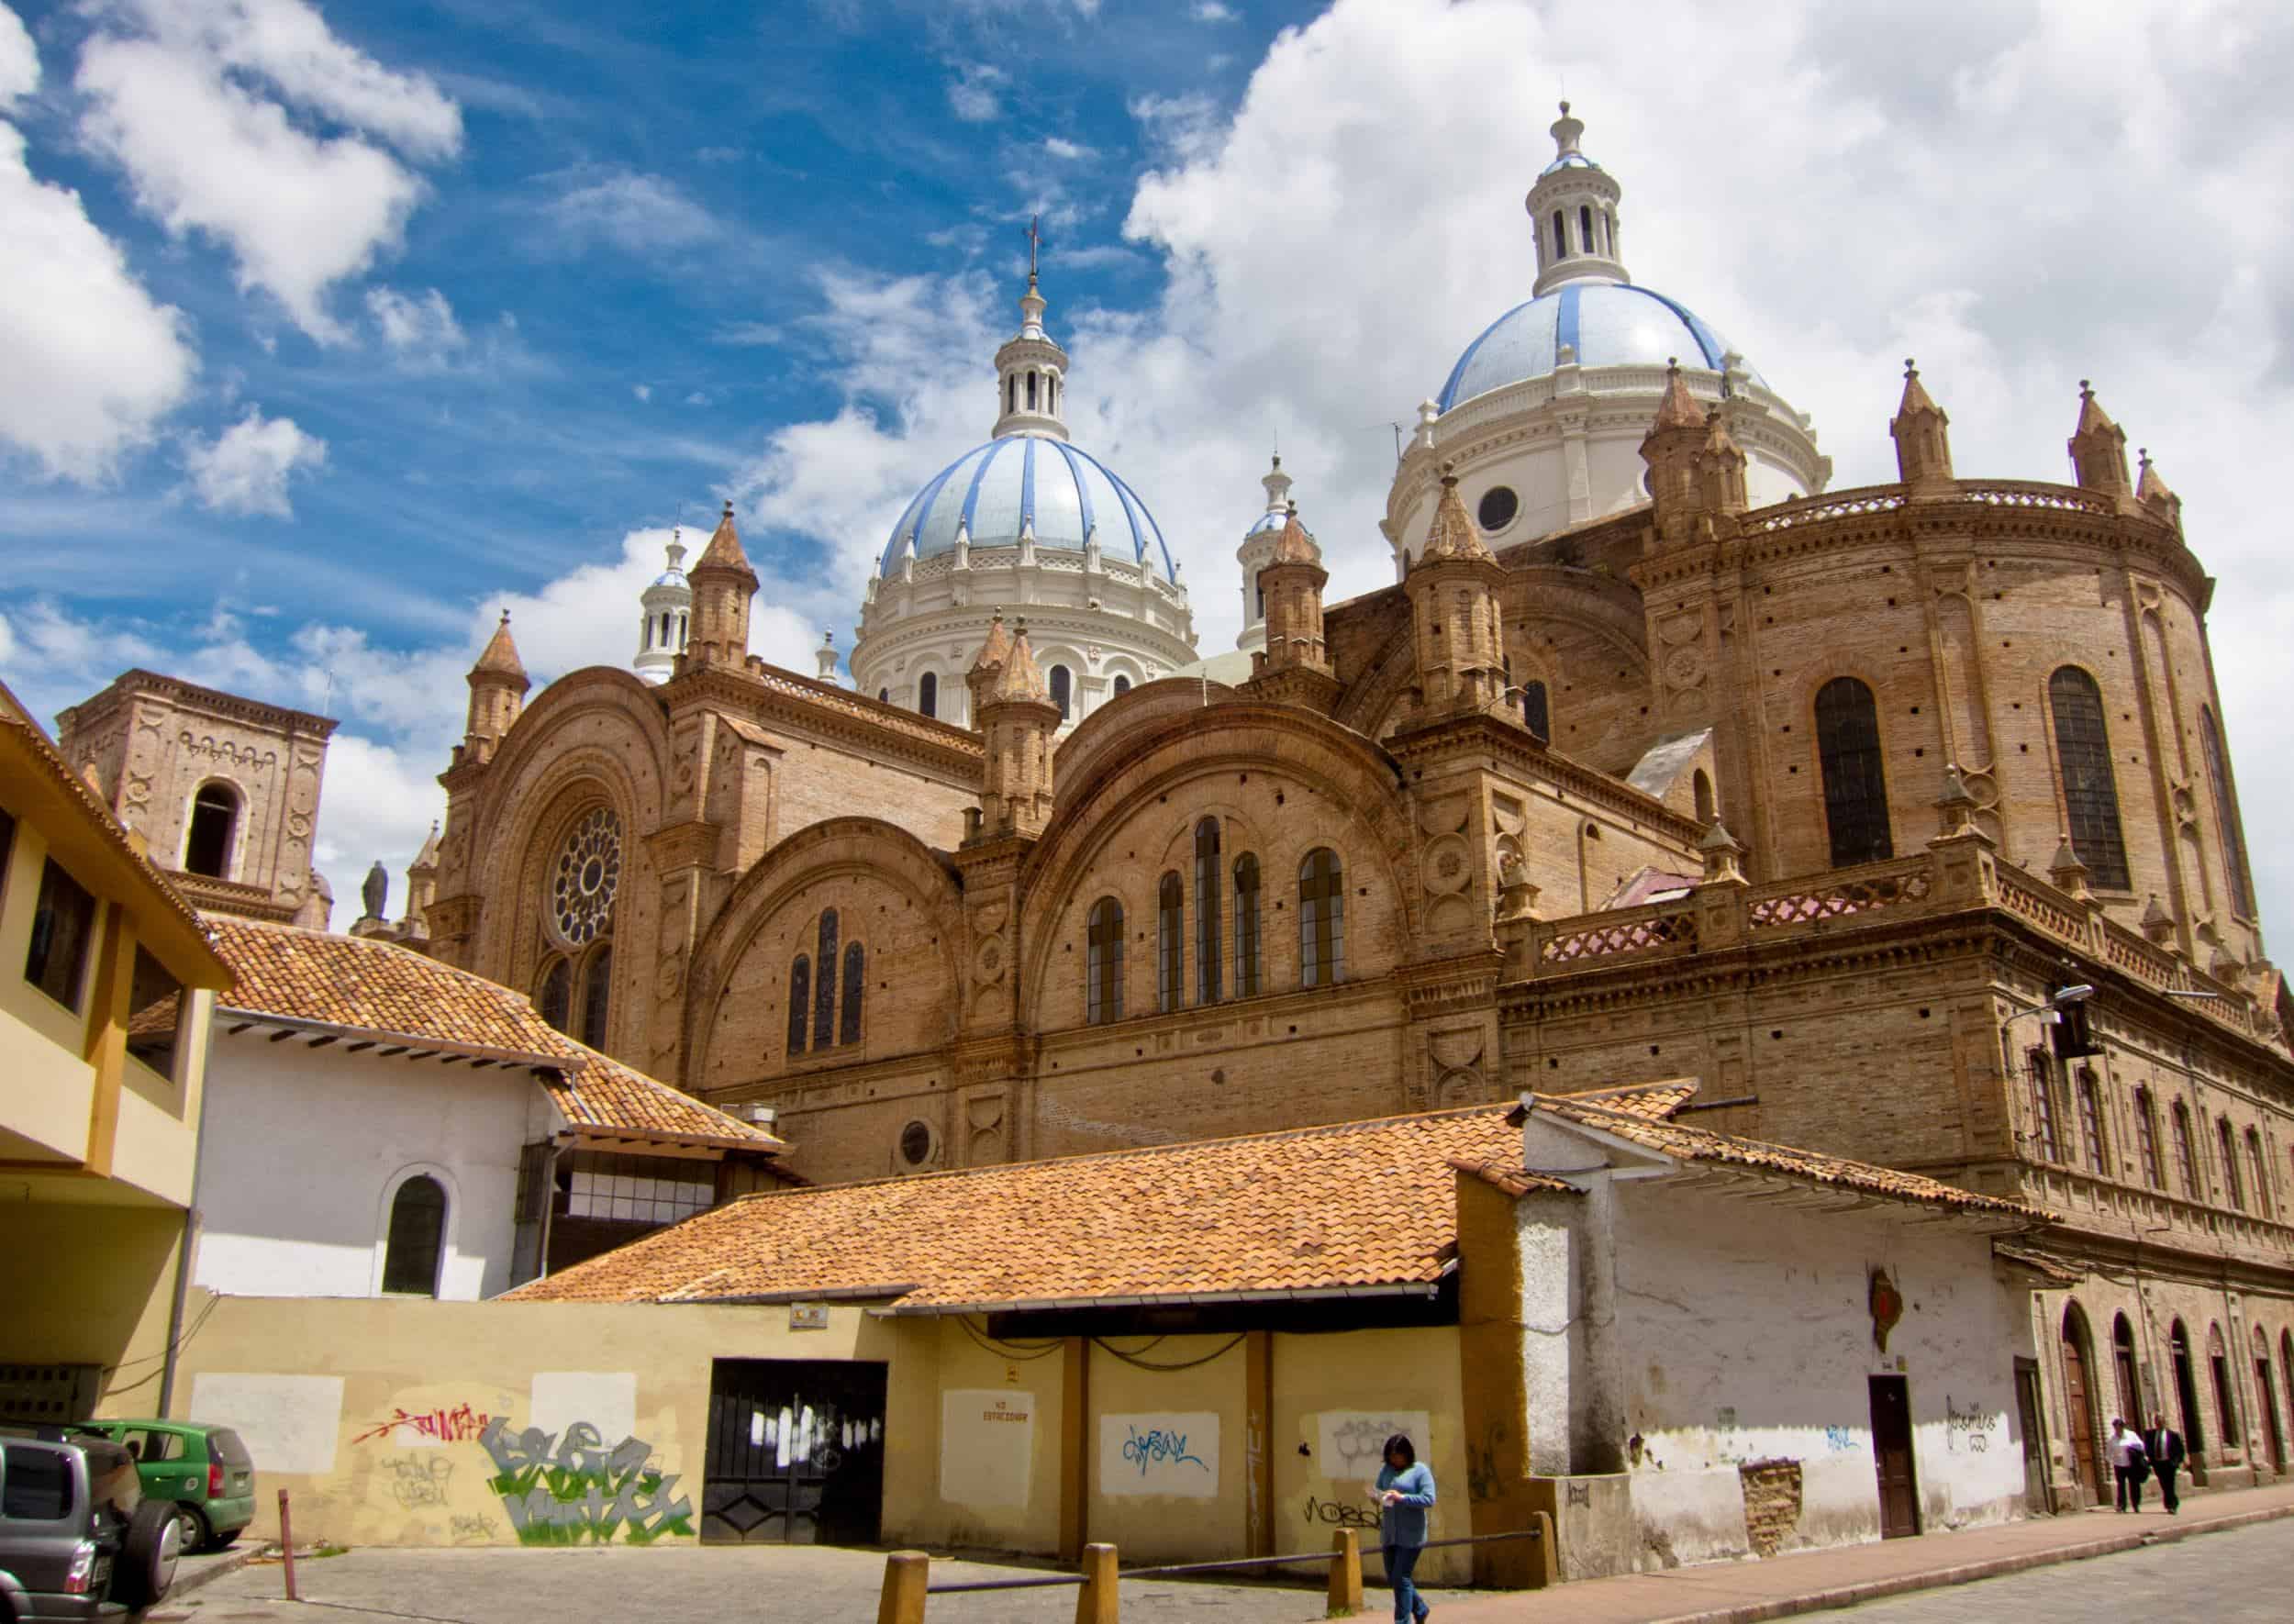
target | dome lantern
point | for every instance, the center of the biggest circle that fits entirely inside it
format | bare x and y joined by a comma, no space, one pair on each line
664,617
1573,213
1030,367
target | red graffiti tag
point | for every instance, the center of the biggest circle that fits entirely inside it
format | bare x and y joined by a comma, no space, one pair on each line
460,1425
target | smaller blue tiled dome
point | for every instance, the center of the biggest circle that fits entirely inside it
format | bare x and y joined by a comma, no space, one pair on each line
1017,481
1603,323
1567,160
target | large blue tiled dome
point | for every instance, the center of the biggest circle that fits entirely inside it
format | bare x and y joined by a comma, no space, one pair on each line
994,490
1606,323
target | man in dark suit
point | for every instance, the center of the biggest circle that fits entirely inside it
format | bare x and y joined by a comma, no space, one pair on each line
2164,1446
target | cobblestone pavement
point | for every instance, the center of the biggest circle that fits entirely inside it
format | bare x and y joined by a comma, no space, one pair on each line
2227,1578
690,1586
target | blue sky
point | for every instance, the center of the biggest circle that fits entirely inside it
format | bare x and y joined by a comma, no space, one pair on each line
335,329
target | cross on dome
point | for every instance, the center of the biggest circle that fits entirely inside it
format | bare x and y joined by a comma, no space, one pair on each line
1030,367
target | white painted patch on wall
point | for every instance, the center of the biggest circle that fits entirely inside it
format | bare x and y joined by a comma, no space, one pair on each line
1348,1443
607,1400
986,1446
289,1423
1160,1453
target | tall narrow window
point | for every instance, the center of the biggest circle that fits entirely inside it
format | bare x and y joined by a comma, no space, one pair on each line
64,927
1246,926
2090,1121
799,1000
155,1017
848,1028
1210,983
928,695
824,990
417,1235
1169,944
2090,793
2263,1204
2227,1143
1031,392
207,848
1560,237
683,618
1533,712
557,994
1585,227
1700,787
2233,836
1012,392
2187,1153
1322,919
2146,1139
1061,683
1123,685
1103,962
1855,782
2225,1410
2047,1141
597,996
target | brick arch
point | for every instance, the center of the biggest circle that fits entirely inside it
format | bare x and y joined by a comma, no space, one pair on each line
1249,737
531,752
1118,717
817,853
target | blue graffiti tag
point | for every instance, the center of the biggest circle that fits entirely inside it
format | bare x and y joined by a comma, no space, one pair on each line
1157,1447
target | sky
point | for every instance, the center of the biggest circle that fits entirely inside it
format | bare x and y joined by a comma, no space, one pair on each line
327,332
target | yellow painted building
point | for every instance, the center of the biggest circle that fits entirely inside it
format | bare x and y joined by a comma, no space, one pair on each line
107,981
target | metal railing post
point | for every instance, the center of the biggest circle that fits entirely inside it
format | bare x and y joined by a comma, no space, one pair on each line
906,1573
1345,1573
286,1546
1097,1602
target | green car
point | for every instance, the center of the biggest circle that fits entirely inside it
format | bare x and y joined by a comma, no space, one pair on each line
206,1471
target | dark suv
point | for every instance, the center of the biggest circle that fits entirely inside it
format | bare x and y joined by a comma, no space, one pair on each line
77,1538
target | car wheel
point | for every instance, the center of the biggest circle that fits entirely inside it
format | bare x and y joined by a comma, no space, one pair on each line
193,1527
146,1569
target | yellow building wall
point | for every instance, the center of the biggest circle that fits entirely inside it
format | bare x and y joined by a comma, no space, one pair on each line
86,1283
46,1087
984,1440
157,1148
1165,1450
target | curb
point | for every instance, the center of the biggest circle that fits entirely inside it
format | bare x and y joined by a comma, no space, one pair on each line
1847,1596
208,1572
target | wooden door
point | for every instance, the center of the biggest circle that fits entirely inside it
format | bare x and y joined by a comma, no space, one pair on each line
2269,1402
1891,1449
2027,1409
2082,1420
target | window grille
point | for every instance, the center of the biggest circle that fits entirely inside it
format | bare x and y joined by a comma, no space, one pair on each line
1322,919
1169,948
1246,926
1855,779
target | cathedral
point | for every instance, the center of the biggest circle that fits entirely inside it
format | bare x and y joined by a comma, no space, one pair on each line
1659,760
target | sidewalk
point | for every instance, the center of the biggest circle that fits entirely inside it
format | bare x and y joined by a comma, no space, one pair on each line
1738,1593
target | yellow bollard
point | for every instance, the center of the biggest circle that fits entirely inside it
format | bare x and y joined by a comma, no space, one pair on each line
1345,1573
1096,1603
906,1573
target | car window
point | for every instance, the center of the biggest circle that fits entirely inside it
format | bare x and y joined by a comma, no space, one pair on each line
111,1477
35,1484
224,1445
163,1446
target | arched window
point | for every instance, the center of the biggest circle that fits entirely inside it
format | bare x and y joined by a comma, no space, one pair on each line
2123,1366
2261,1170
2241,878
557,994
1168,942
1560,237
1031,392
2046,1140
2225,1408
855,988
824,990
1246,926
597,995
1534,711
2090,1120
799,997
1322,919
1123,685
884,695
1701,785
665,628
1209,982
1585,227
214,813
2090,794
2146,1139
1060,684
2226,1142
417,1235
928,695
681,629
1855,783
2186,1387
1012,392
1103,962
2187,1153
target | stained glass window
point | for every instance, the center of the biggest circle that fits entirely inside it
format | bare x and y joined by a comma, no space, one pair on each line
855,988
1246,926
1855,780
2091,791
587,875
597,996
1208,960
1322,919
799,997
824,990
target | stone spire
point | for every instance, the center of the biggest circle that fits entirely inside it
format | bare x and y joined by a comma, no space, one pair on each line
1672,449
825,657
422,886
1720,468
1030,367
1011,705
1573,209
1455,591
1923,449
2098,449
2152,493
1291,583
723,585
497,693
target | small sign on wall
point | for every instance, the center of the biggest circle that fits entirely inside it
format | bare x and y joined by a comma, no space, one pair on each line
807,1317
986,1447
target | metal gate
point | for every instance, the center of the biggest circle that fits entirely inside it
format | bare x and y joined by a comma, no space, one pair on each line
795,1452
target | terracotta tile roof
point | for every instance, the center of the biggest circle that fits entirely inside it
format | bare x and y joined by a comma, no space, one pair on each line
1657,1101
1701,1144
291,973
1362,1205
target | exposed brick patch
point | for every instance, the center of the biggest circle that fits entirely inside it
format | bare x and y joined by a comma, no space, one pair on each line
1772,1503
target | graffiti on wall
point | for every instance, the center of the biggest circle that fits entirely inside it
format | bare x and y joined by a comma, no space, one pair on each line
1352,1440
570,1489
1159,1455
417,1482
1340,1514
460,1424
1968,1429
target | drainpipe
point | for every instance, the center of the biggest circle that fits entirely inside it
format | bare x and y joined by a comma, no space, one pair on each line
183,1290
558,1145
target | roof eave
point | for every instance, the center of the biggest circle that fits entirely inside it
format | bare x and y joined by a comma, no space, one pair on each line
1281,1294
228,1015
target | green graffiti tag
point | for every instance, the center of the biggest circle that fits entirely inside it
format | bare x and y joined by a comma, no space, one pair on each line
579,1492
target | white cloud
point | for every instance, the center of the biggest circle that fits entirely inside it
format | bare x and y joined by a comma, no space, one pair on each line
972,94
1059,146
747,333
1211,11
643,391
421,332
641,213
19,60
246,469
1179,129
93,362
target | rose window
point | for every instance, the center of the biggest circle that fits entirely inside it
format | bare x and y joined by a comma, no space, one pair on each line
588,872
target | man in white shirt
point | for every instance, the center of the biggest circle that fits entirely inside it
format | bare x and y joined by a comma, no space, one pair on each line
2128,1464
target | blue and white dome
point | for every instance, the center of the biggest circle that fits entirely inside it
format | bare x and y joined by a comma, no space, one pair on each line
1603,323
1016,481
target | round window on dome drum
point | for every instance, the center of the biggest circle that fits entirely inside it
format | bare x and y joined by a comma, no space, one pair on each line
916,1143
1499,506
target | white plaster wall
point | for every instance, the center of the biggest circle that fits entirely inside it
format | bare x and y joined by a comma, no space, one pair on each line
1744,1335
302,1149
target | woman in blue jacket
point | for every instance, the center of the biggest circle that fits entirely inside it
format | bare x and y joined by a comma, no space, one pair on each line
1404,1489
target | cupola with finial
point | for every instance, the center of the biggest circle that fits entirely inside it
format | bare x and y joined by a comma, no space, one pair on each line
2098,447
1012,706
1454,592
1031,368
665,611
1573,208
1923,448
1291,583
723,585
497,693
1258,549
